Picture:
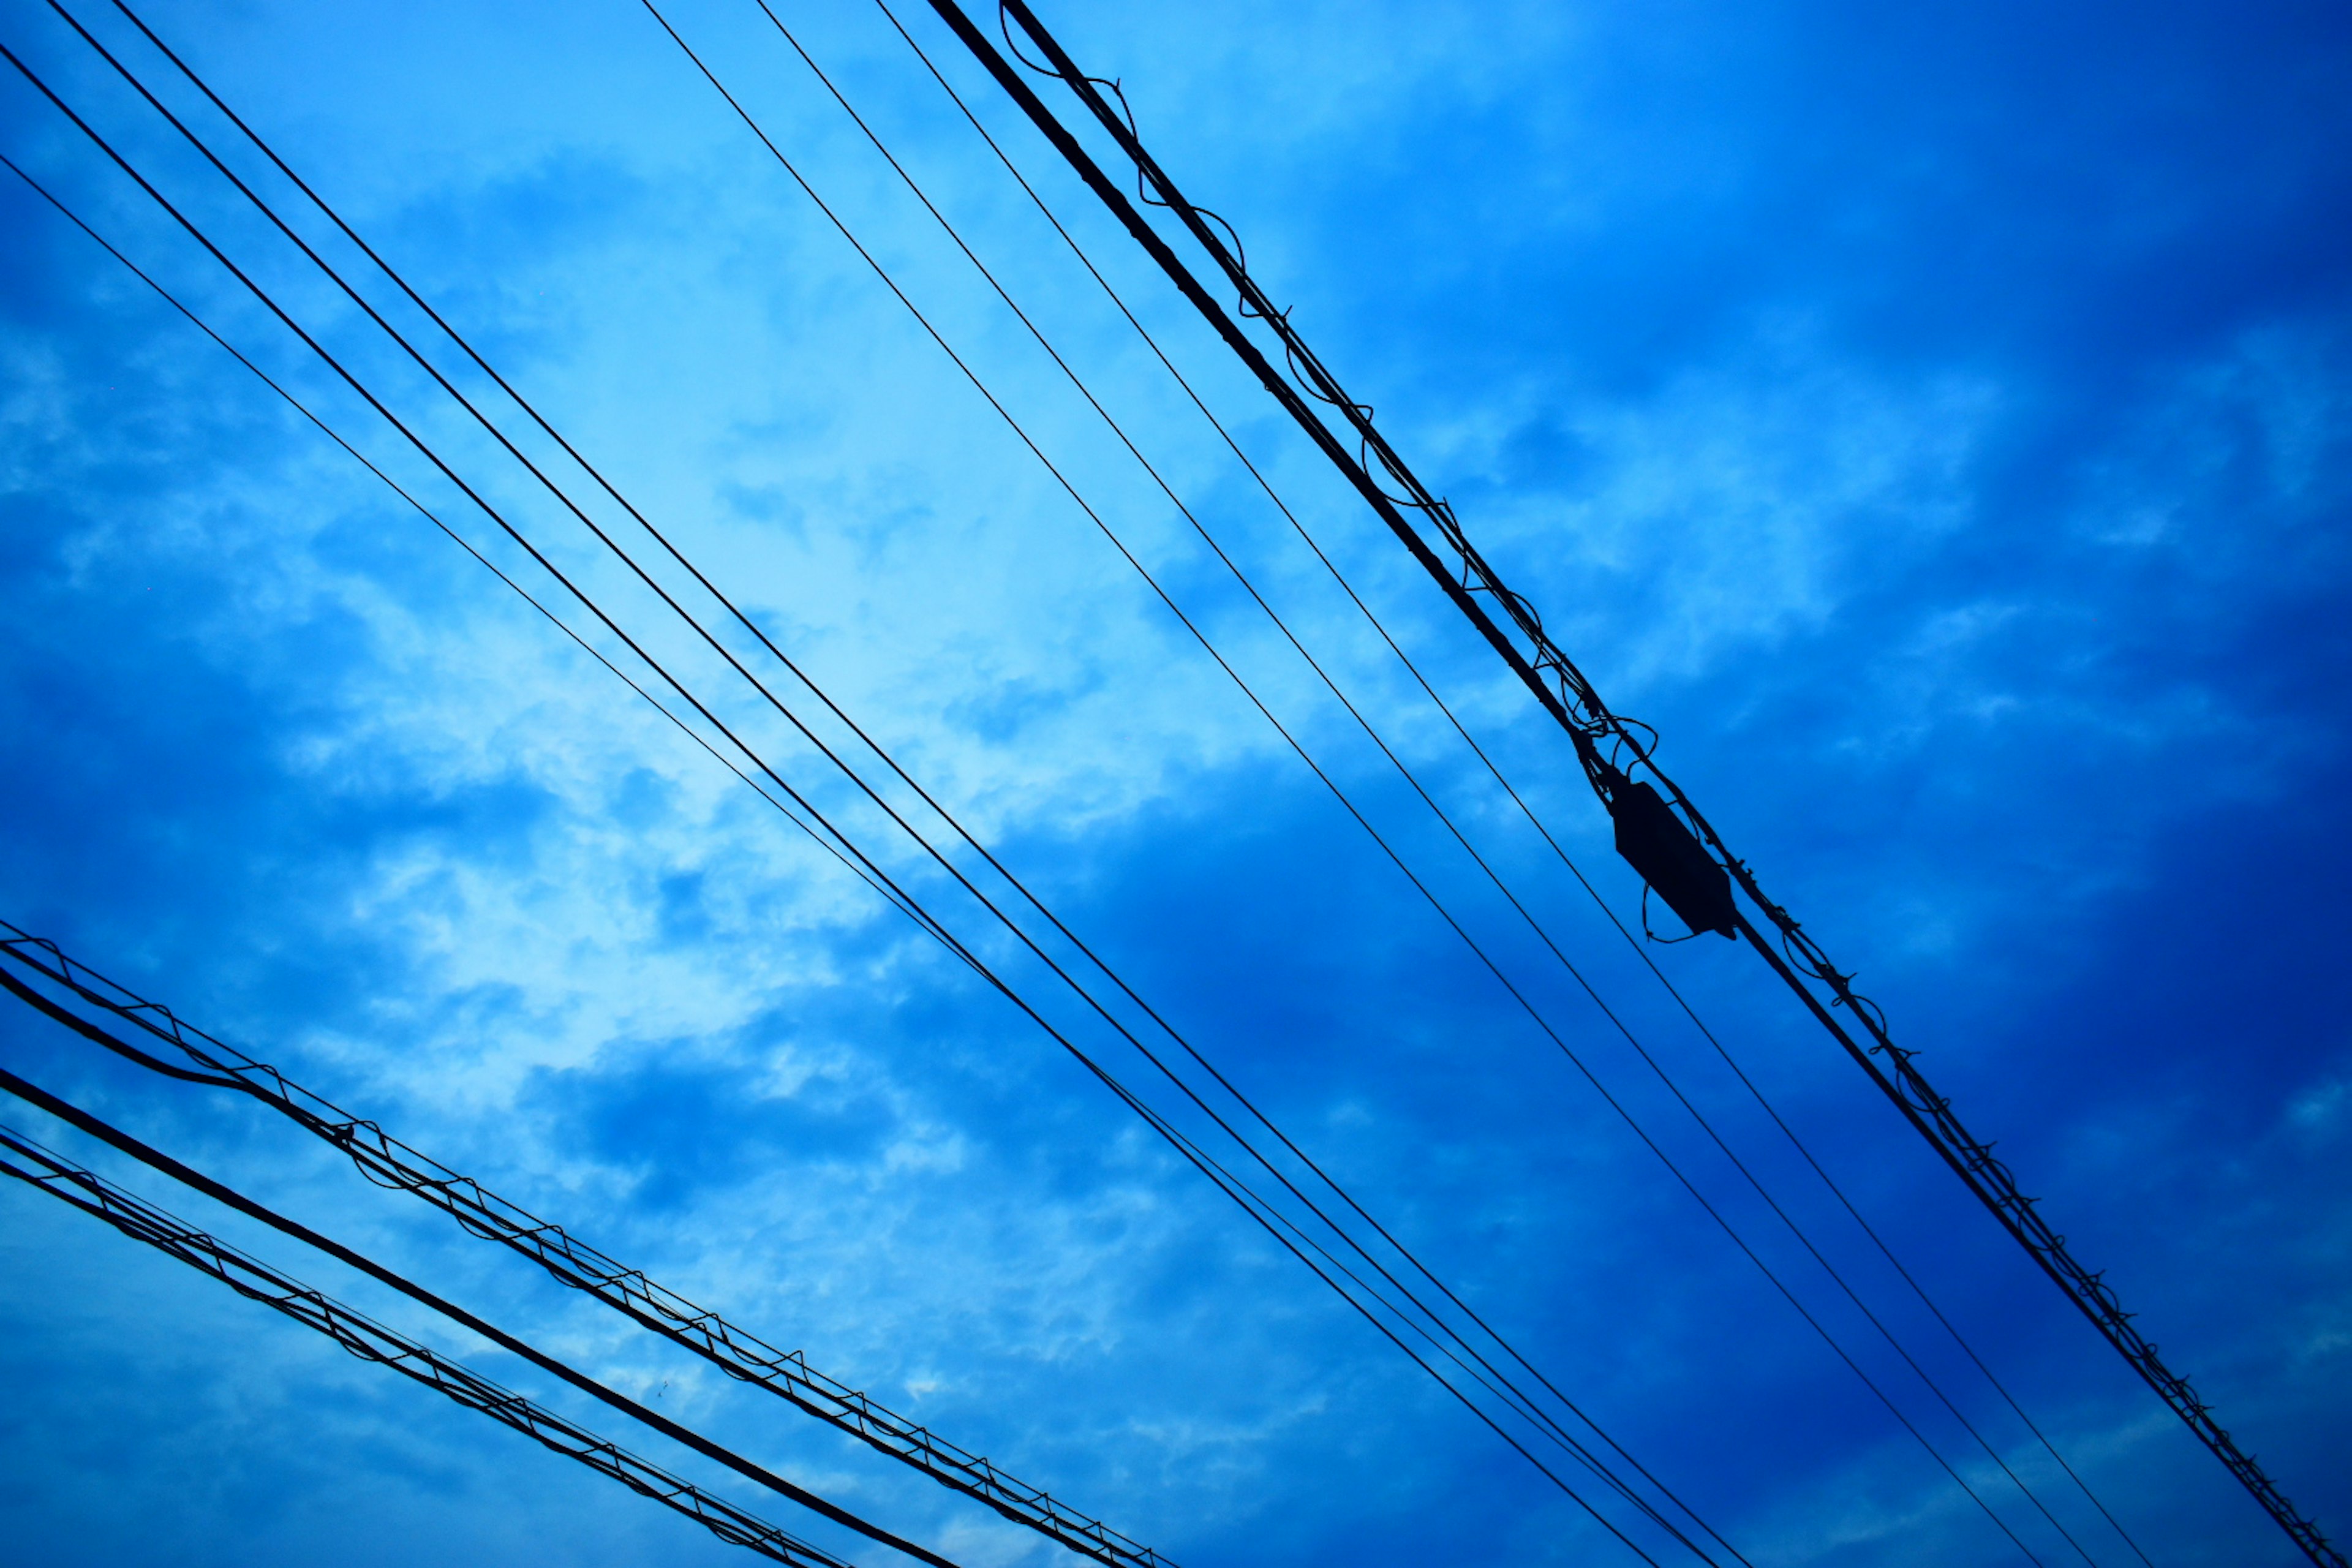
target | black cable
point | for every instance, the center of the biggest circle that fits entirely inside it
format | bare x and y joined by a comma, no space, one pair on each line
1582,713
556,491
370,1341
1510,790
1525,914
33,1094
1239,1192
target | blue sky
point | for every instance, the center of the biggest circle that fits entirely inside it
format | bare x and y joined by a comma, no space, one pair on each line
1936,422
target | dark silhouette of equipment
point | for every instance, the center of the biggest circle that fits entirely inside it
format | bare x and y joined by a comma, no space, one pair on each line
1669,856
1425,524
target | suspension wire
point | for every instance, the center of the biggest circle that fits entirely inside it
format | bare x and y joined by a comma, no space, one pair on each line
370,1341
1265,1213
33,1094
1354,712
1524,913
1580,713
386,1162
742,619
1509,790
1190,627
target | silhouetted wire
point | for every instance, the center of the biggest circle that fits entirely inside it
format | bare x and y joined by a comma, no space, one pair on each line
554,490
1241,1195
1370,730
1511,791
1483,956
371,1340
1584,716
1249,1201
1332,568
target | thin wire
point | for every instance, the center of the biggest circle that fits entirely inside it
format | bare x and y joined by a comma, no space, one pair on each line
1065,484
1525,914
55,1105
1241,1195
1492,768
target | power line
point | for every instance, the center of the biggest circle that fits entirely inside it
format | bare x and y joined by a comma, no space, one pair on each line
1266,1215
1495,770
1419,886
1569,696
33,1094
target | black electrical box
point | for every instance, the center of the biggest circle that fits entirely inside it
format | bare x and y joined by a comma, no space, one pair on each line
1657,844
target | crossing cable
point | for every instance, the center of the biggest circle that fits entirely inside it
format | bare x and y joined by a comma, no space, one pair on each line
1525,914
390,1163
1419,886
737,613
1566,694
430,516
543,479
372,1341
837,1402
1266,1215
1509,790
33,1094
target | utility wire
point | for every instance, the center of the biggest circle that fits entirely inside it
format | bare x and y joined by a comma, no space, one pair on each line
699,577
1255,1207
1386,751
1511,791
1579,711
33,1094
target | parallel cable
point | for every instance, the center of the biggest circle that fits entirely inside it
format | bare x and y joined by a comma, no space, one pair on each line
1509,790
1263,1213
1405,769
65,1111
722,599
1566,693
372,1341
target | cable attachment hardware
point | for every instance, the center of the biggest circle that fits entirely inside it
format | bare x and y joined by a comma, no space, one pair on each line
1669,858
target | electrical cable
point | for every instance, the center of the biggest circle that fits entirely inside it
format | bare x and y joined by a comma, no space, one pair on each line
1518,906
1266,1216
744,620
1580,711
1502,781
65,1111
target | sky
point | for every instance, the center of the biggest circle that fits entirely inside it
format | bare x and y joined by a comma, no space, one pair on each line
1936,422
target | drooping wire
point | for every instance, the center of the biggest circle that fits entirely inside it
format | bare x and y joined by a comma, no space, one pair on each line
372,1341
1494,769
1265,1213
65,1111
1780,1285
761,636
1516,904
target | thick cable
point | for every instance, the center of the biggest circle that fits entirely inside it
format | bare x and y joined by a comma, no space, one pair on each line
1502,781
668,600
1239,1192
370,1341
1577,708
146,1154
